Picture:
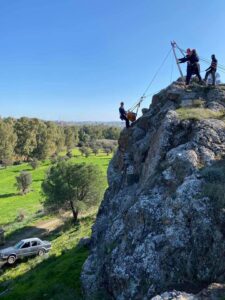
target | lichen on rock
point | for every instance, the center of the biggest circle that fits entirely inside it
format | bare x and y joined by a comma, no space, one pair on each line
155,228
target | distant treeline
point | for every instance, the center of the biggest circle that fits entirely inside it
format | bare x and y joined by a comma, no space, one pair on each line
29,138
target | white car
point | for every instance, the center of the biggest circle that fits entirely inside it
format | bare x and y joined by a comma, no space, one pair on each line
27,247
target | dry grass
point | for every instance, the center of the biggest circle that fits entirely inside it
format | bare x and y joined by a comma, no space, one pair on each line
193,113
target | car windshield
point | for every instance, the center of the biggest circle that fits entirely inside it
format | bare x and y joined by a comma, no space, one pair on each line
18,245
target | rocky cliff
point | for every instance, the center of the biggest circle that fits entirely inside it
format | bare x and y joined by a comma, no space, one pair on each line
161,225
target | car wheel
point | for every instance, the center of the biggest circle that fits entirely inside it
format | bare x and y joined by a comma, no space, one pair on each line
41,252
11,259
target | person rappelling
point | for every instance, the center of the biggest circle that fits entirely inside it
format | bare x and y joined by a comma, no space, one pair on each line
123,115
212,70
193,67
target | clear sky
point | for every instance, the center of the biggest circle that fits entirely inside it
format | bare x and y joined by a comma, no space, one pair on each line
77,59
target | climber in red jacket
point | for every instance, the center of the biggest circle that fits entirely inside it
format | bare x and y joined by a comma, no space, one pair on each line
193,67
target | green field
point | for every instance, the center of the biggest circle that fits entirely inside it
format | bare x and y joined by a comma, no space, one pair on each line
57,275
11,204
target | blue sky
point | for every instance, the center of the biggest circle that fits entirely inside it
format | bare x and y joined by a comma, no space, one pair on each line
77,59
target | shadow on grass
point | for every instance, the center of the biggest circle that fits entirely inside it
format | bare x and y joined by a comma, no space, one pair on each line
23,233
37,180
22,170
54,276
34,231
8,195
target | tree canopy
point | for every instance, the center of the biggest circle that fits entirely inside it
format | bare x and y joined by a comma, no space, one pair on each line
68,184
31,138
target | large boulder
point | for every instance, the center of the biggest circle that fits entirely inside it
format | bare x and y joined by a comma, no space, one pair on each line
156,229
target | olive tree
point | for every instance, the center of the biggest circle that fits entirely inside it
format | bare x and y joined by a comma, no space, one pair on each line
67,184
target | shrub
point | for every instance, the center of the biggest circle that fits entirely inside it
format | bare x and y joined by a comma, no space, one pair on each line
108,150
21,215
34,163
87,152
7,162
214,186
54,159
95,150
198,103
69,154
23,182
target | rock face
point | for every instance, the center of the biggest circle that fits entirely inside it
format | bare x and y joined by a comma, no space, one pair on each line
155,229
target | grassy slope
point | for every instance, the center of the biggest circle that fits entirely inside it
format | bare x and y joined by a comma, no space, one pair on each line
11,203
57,276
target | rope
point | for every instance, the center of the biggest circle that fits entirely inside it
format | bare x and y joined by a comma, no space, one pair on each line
141,99
171,74
207,61
151,82
156,73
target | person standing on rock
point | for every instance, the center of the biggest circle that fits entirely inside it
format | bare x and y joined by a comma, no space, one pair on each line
123,115
212,70
193,67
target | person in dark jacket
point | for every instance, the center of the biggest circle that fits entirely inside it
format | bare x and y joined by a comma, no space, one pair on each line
212,70
123,115
193,67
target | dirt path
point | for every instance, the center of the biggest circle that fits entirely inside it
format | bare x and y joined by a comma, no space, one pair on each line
39,229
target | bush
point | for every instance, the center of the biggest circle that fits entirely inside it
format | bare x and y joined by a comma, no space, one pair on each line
54,159
7,162
82,150
34,164
108,150
17,163
21,215
214,187
198,103
213,174
23,182
95,150
69,154
86,152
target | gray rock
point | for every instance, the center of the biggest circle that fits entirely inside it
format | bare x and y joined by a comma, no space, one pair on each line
175,295
144,110
155,229
84,242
